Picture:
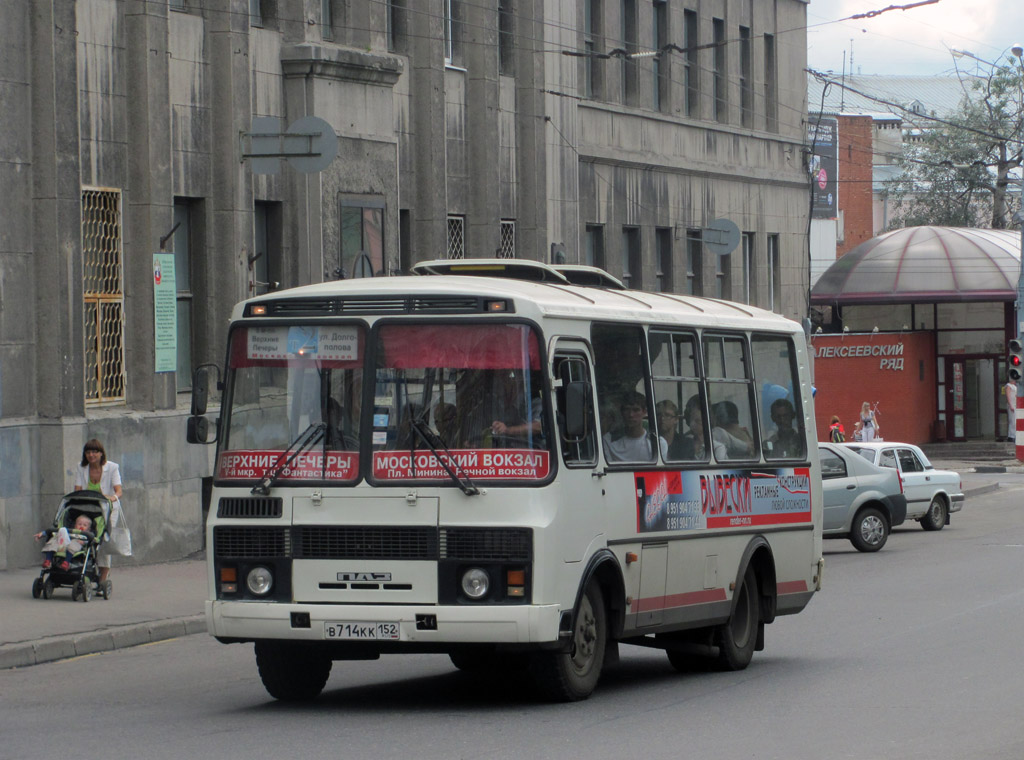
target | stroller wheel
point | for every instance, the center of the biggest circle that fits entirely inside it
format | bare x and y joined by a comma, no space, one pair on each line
106,588
47,588
37,588
74,592
84,589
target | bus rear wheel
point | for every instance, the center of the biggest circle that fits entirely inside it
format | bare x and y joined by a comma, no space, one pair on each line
737,637
573,675
291,672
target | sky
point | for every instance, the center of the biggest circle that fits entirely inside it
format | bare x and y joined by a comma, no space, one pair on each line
916,41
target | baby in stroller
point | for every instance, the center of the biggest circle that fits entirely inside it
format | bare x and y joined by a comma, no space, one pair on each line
65,542
78,532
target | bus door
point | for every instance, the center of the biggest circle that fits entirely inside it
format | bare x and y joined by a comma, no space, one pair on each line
582,506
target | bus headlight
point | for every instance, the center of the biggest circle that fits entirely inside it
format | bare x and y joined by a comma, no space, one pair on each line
259,581
475,583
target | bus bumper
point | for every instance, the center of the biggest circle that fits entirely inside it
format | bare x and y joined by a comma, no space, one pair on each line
417,624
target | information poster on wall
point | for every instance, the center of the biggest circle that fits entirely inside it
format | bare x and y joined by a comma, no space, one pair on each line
823,134
165,313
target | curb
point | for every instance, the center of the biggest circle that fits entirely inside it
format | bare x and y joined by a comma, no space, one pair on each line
52,648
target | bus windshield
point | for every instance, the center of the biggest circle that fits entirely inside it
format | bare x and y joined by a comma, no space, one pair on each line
295,395
296,406
478,386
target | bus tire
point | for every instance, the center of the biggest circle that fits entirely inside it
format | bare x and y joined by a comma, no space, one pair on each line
935,517
291,672
573,675
737,636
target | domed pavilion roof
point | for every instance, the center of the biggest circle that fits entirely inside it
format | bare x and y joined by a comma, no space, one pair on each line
925,265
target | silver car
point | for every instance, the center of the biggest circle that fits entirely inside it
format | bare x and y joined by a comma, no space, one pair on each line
862,502
932,495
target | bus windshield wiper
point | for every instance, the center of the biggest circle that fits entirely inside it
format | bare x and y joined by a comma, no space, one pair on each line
434,442
306,439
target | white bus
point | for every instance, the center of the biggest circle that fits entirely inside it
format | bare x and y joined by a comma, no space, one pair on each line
511,463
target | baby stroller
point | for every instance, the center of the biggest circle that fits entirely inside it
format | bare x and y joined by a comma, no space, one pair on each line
81,575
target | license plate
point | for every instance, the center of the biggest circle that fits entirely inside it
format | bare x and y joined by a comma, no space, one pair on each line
361,631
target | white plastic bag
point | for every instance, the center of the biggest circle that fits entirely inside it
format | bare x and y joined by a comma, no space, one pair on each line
63,540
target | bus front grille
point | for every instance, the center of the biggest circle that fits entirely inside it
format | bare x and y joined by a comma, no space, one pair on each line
250,506
365,542
487,544
241,542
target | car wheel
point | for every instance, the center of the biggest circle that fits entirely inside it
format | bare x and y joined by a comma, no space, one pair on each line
737,637
869,531
292,672
573,675
935,517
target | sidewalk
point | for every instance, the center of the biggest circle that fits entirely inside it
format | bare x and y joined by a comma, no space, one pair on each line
148,603
164,601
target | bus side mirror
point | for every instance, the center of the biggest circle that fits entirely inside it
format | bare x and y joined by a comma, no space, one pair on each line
198,430
200,390
577,394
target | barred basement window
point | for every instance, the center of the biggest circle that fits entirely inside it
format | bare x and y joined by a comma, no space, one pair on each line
103,296
508,240
456,237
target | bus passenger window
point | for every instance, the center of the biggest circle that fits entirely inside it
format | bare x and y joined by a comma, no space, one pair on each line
620,368
679,415
730,396
782,424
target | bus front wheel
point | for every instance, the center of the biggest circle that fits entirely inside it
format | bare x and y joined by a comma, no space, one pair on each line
291,672
573,675
737,637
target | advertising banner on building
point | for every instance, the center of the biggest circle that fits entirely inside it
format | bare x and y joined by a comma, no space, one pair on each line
823,137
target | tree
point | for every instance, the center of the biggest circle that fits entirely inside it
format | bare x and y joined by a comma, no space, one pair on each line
957,171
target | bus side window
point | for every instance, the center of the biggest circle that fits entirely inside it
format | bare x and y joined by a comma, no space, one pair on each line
730,397
782,423
573,372
678,407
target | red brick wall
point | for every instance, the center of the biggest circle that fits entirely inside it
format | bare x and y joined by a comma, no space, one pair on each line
852,369
855,151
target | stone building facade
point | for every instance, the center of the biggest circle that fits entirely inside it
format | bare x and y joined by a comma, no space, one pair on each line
609,132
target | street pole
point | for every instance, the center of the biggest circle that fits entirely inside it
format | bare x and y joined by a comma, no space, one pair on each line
1018,314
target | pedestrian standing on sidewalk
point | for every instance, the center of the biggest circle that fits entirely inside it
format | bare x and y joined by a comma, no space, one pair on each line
1010,390
869,421
96,473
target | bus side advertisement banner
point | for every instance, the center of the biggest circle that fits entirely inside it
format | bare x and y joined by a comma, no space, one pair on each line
310,465
479,464
695,500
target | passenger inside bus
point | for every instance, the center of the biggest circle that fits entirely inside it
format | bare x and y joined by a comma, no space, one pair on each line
728,431
786,440
514,417
634,443
668,430
692,443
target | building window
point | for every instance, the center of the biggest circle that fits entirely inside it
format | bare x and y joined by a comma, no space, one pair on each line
662,72
749,288
771,87
632,271
182,242
362,237
255,12
691,68
723,277
746,79
718,71
452,33
630,83
395,20
506,38
177,5
774,273
694,284
507,249
103,296
456,237
594,253
593,83
326,19
663,259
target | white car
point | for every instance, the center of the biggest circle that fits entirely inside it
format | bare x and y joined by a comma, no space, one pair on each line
932,495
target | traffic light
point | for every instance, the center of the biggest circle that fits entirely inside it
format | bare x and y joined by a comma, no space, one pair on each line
1014,359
